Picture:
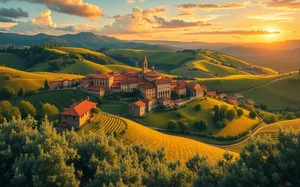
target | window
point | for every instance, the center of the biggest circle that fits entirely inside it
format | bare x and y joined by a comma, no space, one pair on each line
73,117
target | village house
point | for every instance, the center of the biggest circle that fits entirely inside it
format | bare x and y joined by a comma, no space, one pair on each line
239,96
77,114
60,84
138,108
211,94
98,91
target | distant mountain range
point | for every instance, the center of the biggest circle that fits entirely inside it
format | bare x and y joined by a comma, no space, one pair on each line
84,39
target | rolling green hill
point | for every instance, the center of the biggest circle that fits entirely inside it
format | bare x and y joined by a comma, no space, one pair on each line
12,61
198,63
160,119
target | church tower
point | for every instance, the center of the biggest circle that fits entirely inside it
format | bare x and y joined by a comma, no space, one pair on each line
144,65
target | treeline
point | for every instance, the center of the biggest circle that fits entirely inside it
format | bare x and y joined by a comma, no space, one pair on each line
33,55
33,155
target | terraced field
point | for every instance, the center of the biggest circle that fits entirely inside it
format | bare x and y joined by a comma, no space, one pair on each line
177,148
105,122
60,98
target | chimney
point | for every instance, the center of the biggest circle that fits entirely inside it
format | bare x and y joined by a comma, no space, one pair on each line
88,98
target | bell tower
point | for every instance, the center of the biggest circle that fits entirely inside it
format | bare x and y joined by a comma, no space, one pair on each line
144,65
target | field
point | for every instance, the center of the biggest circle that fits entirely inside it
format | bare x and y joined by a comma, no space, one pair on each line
270,130
177,148
17,79
237,83
64,98
277,95
160,119
12,61
104,122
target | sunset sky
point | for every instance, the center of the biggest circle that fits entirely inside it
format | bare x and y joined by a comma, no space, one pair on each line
180,20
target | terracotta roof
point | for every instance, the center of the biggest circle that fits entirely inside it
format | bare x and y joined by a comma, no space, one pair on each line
250,101
140,103
161,81
152,73
163,99
231,97
204,87
95,88
147,85
103,76
114,73
180,87
238,95
212,93
80,108
115,85
181,82
120,78
223,95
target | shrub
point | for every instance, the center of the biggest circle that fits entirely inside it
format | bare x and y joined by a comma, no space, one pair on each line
95,110
198,107
31,91
231,114
179,114
172,125
7,77
289,116
202,124
26,108
240,112
252,115
219,124
225,122
183,125
7,92
49,110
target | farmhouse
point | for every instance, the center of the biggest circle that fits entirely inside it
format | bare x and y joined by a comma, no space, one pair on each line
77,114
60,84
151,85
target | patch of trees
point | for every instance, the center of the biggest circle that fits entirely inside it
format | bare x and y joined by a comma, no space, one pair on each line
222,115
123,59
184,78
58,64
98,59
91,159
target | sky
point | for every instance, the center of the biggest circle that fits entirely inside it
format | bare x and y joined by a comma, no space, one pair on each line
233,21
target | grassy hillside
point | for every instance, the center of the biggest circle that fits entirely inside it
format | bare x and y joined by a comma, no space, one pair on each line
176,147
64,98
160,119
17,79
198,63
277,95
12,61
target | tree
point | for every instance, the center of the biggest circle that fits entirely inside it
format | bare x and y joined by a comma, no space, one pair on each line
8,111
223,110
198,107
95,110
231,114
7,93
289,116
183,125
297,114
240,112
219,124
20,92
217,113
46,85
49,110
172,125
31,91
253,114
26,108
225,122
201,125
99,100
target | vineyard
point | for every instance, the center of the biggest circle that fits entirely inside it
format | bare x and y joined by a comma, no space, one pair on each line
237,126
107,123
60,98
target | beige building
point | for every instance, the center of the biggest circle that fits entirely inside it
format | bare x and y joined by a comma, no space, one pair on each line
138,108
147,90
103,80
78,113
163,88
99,91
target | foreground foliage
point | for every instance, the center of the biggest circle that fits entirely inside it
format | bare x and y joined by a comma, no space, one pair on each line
38,156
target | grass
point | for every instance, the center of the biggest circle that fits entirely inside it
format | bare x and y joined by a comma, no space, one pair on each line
277,95
160,119
21,79
12,61
104,122
177,148
114,108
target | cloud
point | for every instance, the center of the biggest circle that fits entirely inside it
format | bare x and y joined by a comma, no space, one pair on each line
281,16
236,32
78,28
132,1
178,23
287,4
13,13
6,20
42,23
71,7
210,6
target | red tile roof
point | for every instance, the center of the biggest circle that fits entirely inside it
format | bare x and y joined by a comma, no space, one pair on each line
115,85
212,93
103,76
95,88
204,88
161,81
147,85
152,73
80,108
140,103
238,95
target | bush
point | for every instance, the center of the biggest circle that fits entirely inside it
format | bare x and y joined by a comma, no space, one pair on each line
49,110
231,114
225,122
219,124
26,108
198,107
95,110
201,125
183,125
289,116
240,112
7,92
172,125
31,91
252,115
179,114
